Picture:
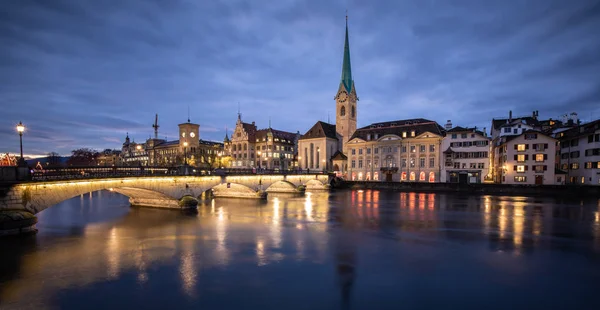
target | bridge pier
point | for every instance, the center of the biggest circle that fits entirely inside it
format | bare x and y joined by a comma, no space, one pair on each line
16,222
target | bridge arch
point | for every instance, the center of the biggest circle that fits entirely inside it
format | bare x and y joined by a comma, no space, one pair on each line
235,190
282,186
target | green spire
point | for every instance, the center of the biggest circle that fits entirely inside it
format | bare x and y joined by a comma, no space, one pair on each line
346,70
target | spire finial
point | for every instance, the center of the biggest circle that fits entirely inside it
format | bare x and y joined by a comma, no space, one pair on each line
239,112
269,122
346,70
188,113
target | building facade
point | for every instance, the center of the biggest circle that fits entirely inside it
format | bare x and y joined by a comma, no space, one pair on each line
466,156
580,154
269,148
317,147
526,158
403,150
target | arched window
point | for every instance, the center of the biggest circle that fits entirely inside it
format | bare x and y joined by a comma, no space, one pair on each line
412,176
234,147
239,147
422,176
431,177
353,111
343,111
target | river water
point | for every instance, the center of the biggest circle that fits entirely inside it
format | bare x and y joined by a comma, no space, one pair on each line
340,250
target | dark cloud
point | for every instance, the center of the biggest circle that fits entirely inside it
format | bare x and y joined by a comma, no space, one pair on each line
83,73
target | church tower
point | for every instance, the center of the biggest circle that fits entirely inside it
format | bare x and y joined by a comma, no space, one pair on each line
346,99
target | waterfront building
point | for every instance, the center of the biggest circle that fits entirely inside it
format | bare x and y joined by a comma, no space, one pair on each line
580,153
109,158
269,148
188,149
402,150
318,146
526,158
465,155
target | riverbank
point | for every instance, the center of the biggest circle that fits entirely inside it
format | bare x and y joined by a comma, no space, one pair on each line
482,189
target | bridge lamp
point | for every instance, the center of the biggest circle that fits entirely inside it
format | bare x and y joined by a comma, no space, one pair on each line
259,159
21,129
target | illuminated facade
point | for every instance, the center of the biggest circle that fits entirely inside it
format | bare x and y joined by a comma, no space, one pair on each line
403,150
465,155
269,148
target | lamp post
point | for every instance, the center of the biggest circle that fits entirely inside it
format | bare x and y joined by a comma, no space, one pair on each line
21,129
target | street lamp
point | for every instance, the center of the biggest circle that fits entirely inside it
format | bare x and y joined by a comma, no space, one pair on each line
21,129
185,144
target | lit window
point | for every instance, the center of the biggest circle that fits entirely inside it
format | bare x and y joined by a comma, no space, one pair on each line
520,168
521,147
575,166
539,157
412,133
412,176
520,179
404,134
521,158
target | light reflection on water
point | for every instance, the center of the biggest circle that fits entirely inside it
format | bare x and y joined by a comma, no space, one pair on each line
340,248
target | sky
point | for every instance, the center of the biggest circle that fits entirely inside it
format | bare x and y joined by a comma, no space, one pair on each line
85,73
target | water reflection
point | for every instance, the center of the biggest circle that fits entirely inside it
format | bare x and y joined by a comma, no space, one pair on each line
342,242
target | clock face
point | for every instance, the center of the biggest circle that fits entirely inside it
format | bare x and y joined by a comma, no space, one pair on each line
183,134
192,134
343,96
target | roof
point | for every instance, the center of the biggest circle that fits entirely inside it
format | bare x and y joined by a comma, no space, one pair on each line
339,156
167,144
346,69
211,143
581,130
529,120
506,139
262,133
320,130
419,125
467,129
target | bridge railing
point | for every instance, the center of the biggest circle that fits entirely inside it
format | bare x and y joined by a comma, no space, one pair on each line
94,172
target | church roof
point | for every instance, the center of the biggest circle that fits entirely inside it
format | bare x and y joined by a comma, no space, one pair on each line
346,68
320,130
419,125
339,156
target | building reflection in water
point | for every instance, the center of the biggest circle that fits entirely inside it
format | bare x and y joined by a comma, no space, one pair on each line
518,220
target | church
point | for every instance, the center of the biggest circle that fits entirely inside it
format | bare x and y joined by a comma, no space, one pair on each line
401,150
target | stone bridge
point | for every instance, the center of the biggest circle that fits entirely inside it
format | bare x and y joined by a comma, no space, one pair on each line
156,191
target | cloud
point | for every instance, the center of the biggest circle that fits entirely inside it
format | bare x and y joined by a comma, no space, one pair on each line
85,73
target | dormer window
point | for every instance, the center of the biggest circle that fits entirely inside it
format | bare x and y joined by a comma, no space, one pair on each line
412,133
404,134
376,136
368,137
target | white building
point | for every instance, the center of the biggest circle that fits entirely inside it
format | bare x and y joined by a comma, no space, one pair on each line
466,155
580,153
527,158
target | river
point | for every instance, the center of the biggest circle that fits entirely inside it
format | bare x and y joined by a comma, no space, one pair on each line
324,250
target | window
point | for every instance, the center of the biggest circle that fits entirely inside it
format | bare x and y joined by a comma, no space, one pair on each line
431,162
343,111
456,165
431,148
481,165
540,168
404,134
531,136
574,166
541,157
422,176
463,135
412,176
404,149
413,148
360,163
520,168
368,136
412,162
564,166
472,165
453,136
353,151
575,154
507,130
520,179
360,151
403,162
422,148
353,111
521,147
376,150
368,151
520,158
353,164
395,149
412,133
422,162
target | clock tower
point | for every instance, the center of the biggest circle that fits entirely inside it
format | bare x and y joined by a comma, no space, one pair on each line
346,99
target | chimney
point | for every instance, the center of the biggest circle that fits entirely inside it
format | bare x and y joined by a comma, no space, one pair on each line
448,125
253,124
533,115
484,132
510,116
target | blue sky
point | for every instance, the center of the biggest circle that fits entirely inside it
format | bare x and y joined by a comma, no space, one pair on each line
83,73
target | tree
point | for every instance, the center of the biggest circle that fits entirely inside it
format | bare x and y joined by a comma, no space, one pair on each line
83,157
53,160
